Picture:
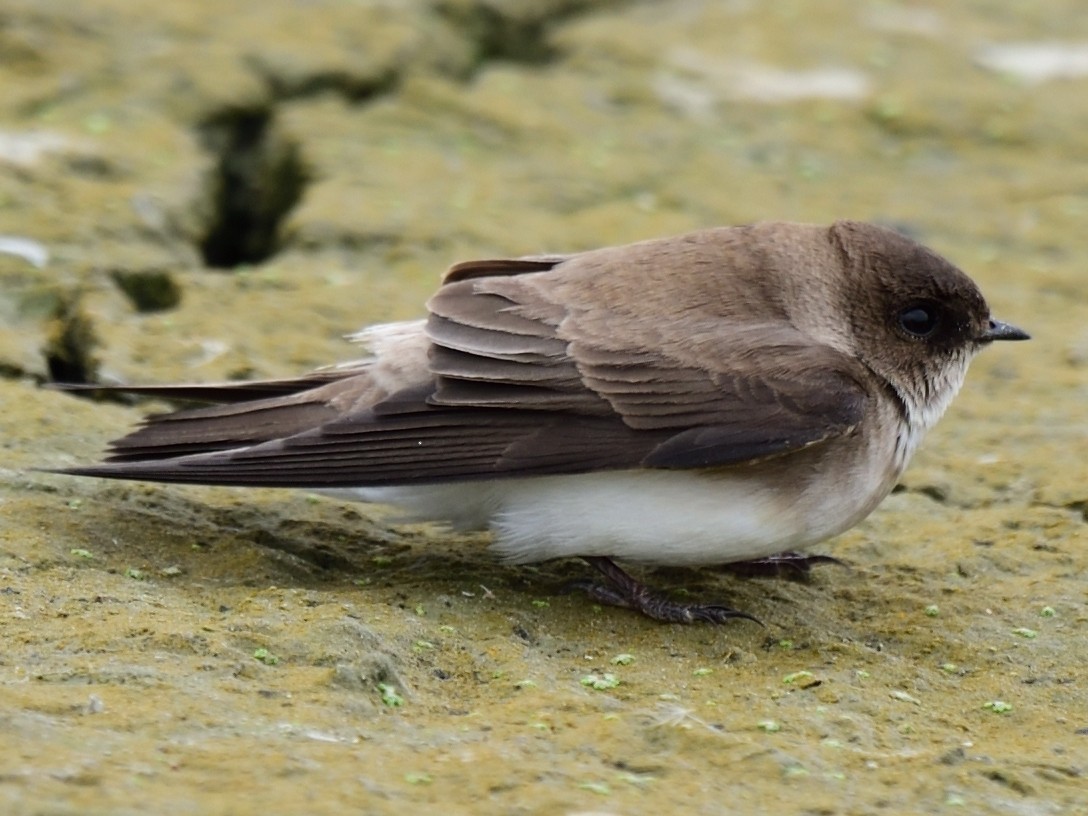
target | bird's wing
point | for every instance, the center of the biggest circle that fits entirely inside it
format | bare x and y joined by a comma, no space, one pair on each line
227,392
252,412
522,385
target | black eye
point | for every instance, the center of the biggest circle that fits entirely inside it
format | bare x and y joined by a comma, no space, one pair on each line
920,320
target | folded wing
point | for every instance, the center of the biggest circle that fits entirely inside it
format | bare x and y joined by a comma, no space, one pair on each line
521,384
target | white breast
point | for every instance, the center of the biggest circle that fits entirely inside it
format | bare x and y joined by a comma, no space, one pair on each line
652,516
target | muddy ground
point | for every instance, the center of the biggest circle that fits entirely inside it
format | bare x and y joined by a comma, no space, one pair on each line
199,191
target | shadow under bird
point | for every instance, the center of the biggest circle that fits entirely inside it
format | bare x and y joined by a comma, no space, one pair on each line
730,395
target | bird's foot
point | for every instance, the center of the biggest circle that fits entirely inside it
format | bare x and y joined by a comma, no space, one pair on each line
624,591
794,566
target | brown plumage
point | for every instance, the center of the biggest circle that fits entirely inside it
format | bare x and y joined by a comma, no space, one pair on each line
806,360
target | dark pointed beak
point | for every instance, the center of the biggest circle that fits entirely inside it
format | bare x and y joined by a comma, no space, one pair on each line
1003,331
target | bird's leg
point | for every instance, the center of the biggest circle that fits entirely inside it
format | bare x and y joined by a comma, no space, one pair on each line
792,565
624,591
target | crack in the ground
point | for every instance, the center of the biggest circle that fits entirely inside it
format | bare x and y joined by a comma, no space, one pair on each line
507,32
70,344
259,177
353,88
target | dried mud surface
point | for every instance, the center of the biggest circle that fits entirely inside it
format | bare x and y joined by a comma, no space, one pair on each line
224,191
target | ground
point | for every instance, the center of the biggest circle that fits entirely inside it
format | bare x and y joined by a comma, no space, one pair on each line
192,191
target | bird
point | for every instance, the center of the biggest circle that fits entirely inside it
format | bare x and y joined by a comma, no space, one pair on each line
733,395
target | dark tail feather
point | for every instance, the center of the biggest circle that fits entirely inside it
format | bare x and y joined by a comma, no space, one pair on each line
221,393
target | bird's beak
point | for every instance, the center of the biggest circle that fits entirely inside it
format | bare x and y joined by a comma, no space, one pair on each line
1003,331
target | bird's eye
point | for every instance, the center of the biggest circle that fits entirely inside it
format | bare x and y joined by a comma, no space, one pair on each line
920,320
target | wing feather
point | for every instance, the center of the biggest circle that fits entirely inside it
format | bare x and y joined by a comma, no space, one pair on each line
524,381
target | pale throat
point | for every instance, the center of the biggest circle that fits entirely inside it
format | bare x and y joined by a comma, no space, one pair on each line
926,403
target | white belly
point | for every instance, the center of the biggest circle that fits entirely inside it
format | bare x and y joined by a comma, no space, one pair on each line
654,516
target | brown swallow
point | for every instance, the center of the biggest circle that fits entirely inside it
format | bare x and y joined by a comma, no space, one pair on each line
710,398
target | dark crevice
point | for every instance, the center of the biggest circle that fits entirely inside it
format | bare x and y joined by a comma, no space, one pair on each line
496,36
70,343
259,177
149,290
1078,507
10,371
350,87
514,33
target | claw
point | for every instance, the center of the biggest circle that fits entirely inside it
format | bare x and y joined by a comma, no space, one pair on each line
624,591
